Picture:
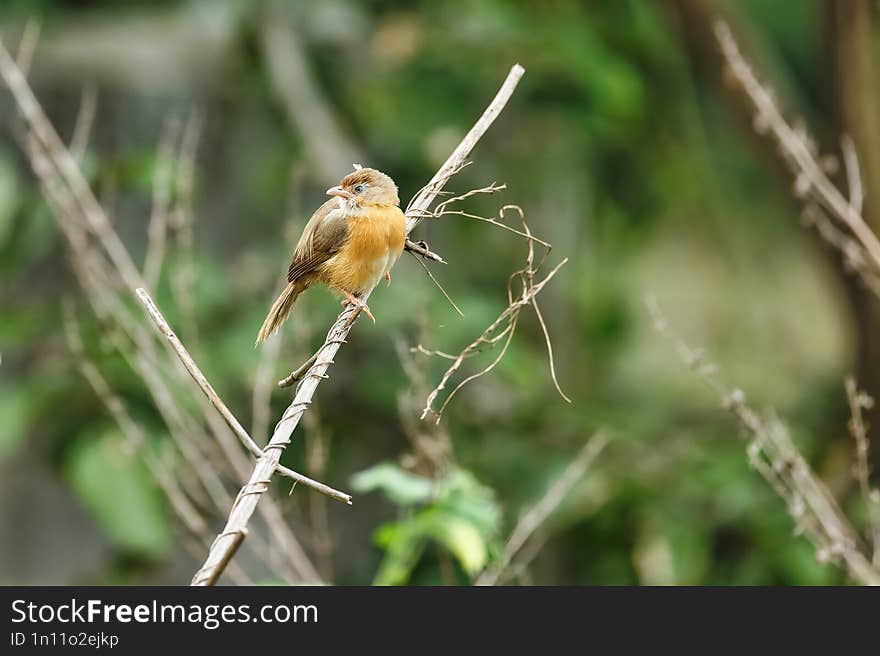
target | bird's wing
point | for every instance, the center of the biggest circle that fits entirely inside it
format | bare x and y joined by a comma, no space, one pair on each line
324,235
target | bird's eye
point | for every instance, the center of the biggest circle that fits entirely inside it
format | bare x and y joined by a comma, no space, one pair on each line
359,189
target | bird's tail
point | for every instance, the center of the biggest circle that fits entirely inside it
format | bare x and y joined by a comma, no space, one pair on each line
280,309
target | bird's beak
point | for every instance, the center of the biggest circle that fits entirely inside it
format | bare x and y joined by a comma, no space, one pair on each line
339,191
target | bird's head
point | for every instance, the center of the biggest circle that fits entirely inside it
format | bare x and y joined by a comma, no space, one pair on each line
366,187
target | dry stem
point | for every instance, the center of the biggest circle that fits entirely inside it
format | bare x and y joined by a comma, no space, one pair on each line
503,328
811,182
859,401
770,450
535,517
186,359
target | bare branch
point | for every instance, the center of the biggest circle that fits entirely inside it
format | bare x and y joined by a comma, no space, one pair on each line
28,45
261,397
538,514
157,229
770,451
421,249
297,374
800,154
186,359
85,118
853,173
183,277
503,328
305,105
859,401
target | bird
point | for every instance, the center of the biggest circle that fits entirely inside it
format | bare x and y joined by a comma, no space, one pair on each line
351,242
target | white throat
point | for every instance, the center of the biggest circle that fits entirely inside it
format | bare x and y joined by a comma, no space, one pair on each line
349,206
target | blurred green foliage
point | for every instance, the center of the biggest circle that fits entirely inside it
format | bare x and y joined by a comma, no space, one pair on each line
619,153
456,512
116,487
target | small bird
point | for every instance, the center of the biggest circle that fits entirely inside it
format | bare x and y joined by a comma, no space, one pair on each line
349,244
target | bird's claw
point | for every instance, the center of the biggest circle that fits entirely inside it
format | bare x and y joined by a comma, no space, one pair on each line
388,277
353,300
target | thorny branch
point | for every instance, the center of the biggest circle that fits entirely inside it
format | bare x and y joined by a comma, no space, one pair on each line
837,218
772,453
859,401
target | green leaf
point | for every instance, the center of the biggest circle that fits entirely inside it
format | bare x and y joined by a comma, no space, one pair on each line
463,495
402,487
464,542
119,492
403,543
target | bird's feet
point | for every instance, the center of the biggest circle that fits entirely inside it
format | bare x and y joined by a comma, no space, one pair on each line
355,301
388,277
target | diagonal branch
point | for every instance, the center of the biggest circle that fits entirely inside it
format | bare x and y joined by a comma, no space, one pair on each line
537,515
250,494
192,368
800,153
773,454
860,401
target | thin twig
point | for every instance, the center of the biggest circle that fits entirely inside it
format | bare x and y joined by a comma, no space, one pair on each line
297,374
504,327
157,229
261,397
537,515
85,119
420,248
28,44
183,277
439,286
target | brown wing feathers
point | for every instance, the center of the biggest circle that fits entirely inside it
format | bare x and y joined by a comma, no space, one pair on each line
323,235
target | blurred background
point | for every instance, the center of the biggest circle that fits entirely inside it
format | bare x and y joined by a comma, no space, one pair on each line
625,150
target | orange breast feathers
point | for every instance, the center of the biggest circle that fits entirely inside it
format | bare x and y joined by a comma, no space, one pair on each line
375,241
